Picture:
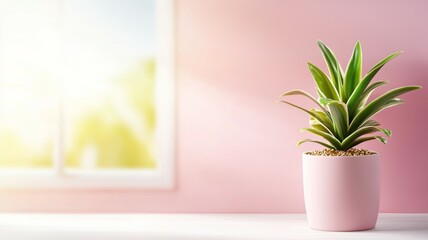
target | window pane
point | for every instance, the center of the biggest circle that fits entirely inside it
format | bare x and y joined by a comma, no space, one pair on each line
28,53
108,82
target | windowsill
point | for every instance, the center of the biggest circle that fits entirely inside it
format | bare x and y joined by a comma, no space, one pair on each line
197,226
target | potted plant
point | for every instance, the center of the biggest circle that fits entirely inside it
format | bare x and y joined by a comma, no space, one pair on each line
342,183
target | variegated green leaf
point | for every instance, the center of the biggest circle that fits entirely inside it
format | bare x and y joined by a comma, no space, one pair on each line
384,101
353,71
370,123
319,115
339,116
362,100
333,66
331,139
325,86
317,125
361,87
365,139
363,131
341,90
314,141
302,93
325,119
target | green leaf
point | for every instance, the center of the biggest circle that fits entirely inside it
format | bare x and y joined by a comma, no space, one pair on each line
324,84
333,66
353,71
320,94
365,139
339,116
318,115
384,101
325,119
317,125
341,90
370,123
363,131
303,93
362,100
331,139
366,94
361,87
314,141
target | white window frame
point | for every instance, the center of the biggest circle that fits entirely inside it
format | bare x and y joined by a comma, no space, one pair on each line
162,177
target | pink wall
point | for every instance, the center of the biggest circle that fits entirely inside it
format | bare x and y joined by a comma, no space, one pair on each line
235,149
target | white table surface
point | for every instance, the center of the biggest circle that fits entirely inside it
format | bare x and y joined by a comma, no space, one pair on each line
196,226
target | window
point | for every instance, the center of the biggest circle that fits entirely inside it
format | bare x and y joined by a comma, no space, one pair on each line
86,93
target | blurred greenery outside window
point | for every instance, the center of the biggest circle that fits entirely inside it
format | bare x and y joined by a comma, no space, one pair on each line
83,71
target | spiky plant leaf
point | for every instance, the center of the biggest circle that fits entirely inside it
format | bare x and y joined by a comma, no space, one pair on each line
318,115
303,93
333,66
317,125
331,139
325,119
315,141
362,100
325,86
339,116
384,101
370,123
361,87
353,71
348,141
365,139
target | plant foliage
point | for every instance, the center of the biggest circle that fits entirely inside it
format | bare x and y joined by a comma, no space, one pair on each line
343,114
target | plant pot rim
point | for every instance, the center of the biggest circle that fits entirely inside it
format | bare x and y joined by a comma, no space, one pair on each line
358,156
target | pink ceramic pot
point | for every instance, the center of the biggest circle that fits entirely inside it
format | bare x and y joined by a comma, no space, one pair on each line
341,193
